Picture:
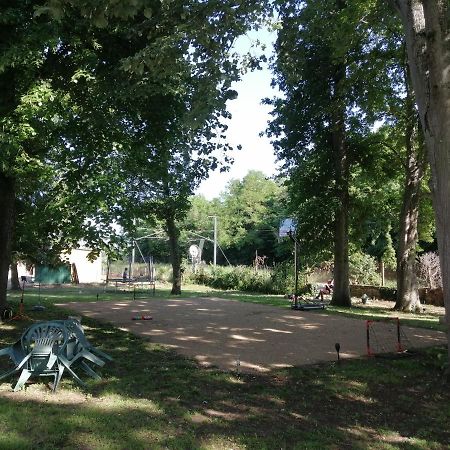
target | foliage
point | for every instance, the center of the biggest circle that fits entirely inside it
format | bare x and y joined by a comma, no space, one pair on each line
120,136
278,280
302,118
248,217
235,278
363,269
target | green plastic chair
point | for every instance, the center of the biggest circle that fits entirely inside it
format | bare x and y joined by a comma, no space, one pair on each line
16,355
76,332
50,348
79,350
42,343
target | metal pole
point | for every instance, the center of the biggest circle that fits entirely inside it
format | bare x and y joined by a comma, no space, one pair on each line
296,267
133,259
215,239
296,274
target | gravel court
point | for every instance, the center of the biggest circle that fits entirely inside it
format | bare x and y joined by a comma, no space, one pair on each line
256,338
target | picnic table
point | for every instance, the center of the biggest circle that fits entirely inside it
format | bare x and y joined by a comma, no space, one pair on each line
49,349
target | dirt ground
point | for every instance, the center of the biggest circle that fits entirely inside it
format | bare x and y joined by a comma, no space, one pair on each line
232,335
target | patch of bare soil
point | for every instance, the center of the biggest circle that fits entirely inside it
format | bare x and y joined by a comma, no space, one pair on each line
246,337
388,307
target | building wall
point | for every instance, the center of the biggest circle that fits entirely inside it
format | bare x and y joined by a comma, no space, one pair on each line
23,272
88,272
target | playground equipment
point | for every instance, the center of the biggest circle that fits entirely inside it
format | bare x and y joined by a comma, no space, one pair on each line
301,303
21,313
385,337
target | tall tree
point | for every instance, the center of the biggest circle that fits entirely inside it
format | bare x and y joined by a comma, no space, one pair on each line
427,31
83,51
314,118
28,104
249,218
43,86
415,164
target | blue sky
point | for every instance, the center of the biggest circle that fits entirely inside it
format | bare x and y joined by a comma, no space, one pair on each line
249,118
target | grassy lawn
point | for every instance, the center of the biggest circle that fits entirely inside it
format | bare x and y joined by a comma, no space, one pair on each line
152,398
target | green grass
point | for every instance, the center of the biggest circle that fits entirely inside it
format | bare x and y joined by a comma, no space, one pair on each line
152,398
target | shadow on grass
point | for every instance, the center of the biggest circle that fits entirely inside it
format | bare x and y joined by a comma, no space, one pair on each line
151,398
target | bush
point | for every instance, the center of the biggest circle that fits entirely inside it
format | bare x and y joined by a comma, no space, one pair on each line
279,280
164,273
283,278
363,269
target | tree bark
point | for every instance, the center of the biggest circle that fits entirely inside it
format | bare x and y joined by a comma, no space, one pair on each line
175,255
427,37
341,289
7,199
407,289
15,283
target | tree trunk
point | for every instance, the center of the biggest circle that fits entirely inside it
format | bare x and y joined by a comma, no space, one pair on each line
7,199
15,283
174,232
428,41
407,290
341,289
74,274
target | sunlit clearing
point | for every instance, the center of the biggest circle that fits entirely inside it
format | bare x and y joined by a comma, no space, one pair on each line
13,440
89,440
225,415
387,437
245,338
277,331
299,416
118,403
222,443
146,435
256,367
196,417
235,380
310,327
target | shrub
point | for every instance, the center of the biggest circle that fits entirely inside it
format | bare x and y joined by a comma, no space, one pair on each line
279,280
363,269
164,273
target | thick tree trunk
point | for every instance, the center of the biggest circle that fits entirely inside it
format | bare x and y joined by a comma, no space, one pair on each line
341,289
173,232
15,283
407,289
428,43
7,199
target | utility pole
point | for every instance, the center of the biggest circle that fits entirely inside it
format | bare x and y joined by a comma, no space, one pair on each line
215,239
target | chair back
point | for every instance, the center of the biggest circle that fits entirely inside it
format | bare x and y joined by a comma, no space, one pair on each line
44,341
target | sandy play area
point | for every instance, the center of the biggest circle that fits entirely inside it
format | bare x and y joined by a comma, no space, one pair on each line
229,333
